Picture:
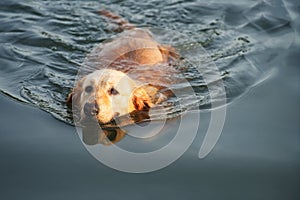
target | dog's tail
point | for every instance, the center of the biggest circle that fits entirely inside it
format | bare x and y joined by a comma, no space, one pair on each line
117,20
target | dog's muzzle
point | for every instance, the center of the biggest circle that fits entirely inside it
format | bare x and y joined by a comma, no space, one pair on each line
91,109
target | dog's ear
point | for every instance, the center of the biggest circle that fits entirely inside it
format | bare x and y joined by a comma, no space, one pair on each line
69,98
141,99
73,96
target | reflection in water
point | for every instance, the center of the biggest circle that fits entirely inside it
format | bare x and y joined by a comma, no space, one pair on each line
109,133
112,132
92,135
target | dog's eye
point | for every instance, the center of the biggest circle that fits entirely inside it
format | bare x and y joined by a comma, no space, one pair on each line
89,89
112,91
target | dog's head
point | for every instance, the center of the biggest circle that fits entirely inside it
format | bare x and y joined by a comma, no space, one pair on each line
105,94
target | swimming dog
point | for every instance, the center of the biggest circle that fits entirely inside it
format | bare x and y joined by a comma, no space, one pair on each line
108,92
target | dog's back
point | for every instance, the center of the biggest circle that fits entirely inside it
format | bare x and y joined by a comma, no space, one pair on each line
133,46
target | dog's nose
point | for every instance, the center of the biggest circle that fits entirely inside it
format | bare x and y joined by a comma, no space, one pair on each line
91,109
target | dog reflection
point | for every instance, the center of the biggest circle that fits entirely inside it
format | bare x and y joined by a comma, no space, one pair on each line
111,133
93,135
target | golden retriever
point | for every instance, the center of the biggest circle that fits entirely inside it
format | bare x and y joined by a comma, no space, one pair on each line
108,92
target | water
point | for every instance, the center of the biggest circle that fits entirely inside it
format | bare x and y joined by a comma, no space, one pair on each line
254,46
45,43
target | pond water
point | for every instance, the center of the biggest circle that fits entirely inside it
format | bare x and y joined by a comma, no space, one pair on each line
252,46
